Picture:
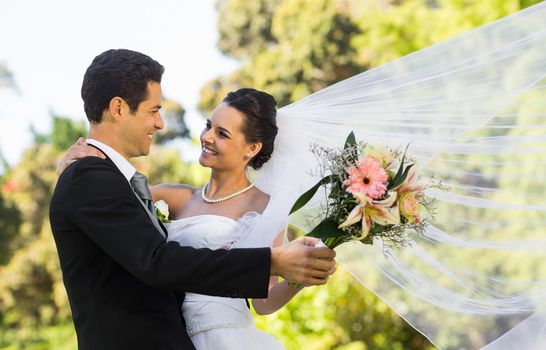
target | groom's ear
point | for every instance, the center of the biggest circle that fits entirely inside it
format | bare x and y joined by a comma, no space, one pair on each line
116,108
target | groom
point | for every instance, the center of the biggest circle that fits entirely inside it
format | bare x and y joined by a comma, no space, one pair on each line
124,280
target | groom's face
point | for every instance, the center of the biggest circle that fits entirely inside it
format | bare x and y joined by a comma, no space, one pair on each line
138,128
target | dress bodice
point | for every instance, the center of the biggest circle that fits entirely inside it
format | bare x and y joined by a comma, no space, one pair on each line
203,231
203,312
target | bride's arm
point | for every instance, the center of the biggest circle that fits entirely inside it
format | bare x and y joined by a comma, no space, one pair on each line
279,293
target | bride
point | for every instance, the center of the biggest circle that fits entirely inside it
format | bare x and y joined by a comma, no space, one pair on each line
473,109
239,133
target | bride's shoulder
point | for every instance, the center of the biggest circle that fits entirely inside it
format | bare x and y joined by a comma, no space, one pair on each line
176,195
259,200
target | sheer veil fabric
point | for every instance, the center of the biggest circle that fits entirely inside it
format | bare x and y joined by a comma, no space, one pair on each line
473,109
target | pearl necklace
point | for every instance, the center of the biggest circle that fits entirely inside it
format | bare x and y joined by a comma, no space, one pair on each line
208,200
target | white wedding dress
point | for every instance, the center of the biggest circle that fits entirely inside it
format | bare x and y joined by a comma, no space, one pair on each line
217,322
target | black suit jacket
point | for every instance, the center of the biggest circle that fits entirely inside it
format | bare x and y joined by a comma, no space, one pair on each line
121,275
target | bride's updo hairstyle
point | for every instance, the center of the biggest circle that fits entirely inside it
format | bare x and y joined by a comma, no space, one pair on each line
260,124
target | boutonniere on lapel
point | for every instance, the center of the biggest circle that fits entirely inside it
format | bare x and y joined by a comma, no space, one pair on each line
162,211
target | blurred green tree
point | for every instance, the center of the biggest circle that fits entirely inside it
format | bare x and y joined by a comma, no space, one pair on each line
245,27
64,132
10,221
292,53
30,279
10,217
173,114
292,48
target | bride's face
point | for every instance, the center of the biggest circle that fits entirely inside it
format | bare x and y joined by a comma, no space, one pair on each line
223,144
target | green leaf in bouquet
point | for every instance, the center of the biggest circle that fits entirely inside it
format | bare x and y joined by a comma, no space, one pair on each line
401,168
397,181
401,174
328,228
367,240
306,197
376,228
391,174
351,140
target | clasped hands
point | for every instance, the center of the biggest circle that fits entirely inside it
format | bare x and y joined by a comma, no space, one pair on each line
301,262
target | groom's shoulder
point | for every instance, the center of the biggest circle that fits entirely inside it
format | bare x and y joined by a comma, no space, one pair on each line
93,162
85,175
90,167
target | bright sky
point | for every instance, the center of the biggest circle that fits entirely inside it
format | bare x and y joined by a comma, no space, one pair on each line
47,45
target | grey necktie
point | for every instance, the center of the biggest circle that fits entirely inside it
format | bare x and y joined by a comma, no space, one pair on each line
140,185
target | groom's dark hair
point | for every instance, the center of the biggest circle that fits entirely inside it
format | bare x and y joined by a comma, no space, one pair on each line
122,73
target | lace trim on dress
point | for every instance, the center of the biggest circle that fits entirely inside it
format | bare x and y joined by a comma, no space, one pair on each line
199,327
205,312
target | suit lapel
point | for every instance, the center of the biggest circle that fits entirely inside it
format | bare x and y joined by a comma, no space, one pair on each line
158,225
163,228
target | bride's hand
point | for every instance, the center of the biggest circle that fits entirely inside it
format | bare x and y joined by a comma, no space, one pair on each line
78,150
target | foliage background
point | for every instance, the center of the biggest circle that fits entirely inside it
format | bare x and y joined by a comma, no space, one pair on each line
289,48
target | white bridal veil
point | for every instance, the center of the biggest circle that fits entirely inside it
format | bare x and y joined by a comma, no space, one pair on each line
474,109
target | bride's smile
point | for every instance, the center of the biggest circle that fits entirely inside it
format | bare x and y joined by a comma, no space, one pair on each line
224,146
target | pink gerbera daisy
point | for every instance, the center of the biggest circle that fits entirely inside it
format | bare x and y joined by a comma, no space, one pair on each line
367,177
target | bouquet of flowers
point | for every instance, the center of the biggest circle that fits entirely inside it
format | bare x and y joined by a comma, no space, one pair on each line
371,192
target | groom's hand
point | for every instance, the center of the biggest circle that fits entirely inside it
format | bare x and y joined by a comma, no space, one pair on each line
300,262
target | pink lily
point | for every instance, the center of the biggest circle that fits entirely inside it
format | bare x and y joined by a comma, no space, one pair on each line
383,212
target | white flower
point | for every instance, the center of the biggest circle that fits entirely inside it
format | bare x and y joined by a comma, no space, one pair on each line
162,210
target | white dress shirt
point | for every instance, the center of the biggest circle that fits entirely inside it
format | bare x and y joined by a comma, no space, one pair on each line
121,163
